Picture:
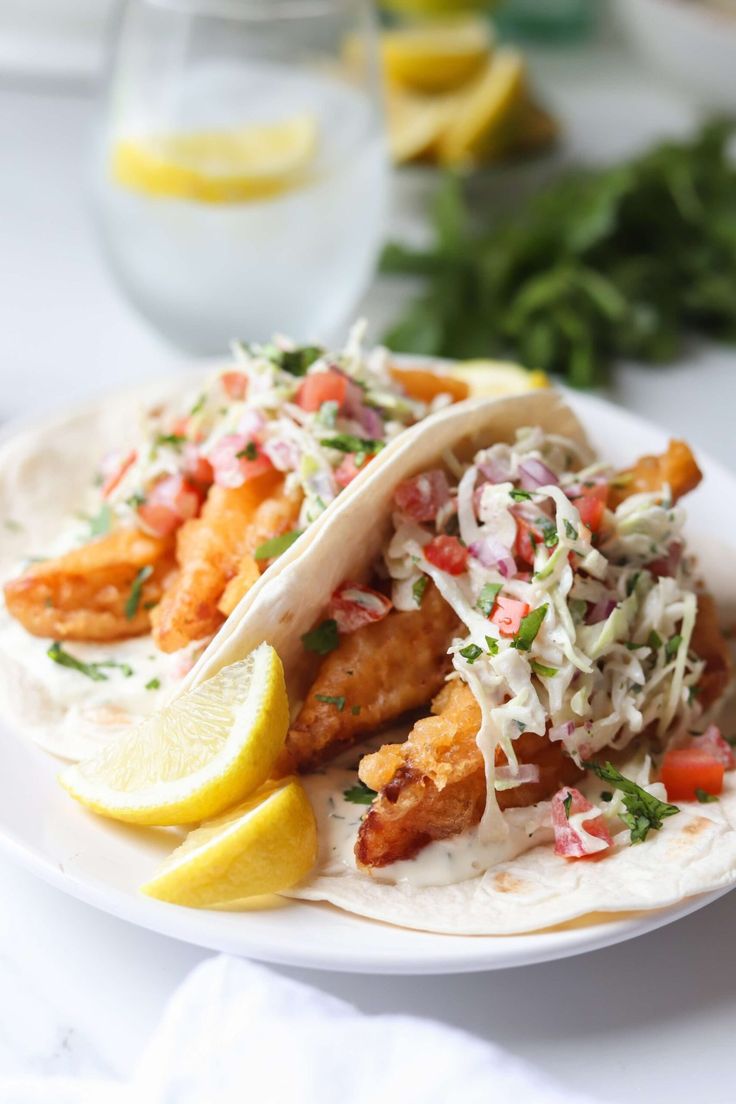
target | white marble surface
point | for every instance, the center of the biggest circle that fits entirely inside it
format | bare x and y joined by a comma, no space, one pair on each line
81,991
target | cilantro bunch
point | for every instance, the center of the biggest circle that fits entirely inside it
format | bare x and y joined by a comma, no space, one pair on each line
618,262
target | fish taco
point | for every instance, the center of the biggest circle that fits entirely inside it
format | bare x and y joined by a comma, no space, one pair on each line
504,670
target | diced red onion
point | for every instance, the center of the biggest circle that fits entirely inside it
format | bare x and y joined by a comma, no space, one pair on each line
283,454
371,421
526,772
495,471
491,553
712,743
602,609
534,473
668,565
562,731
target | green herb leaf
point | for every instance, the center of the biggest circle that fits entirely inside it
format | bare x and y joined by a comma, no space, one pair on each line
566,805
487,598
173,440
58,653
418,589
136,590
530,626
571,531
471,652
101,523
331,699
704,797
492,645
631,584
543,671
359,794
361,447
322,640
520,496
198,406
644,813
654,641
297,361
250,452
550,535
270,549
672,646
153,684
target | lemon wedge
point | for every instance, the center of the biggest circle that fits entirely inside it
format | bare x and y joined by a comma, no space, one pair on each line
204,752
435,57
266,845
415,123
254,162
496,378
486,113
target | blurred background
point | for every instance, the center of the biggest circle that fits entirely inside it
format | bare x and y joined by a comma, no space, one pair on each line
540,181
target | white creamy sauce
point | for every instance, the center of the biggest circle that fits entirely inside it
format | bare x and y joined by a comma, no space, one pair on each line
444,862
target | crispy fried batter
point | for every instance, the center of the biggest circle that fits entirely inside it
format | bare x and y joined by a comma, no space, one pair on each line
83,594
433,785
424,385
382,671
209,550
709,643
274,517
677,467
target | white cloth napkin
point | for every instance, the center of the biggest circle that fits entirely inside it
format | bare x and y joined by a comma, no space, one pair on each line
235,1032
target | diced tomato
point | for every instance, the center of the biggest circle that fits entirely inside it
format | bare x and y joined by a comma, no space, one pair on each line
528,536
685,770
713,744
591,503
197,467
320,388
570,841
235,460
115,472
448,554
235,385
354,605
347,469
422,497
169,503
508,613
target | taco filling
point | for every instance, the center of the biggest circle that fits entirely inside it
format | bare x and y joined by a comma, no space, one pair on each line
536,615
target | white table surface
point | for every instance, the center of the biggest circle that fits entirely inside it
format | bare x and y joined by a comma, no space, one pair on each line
81,991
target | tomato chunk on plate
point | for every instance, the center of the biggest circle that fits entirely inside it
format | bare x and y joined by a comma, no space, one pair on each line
686,770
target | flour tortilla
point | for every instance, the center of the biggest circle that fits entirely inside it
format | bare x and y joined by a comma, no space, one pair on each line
694,851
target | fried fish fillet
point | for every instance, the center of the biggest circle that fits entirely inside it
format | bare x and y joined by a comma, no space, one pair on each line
209,552
433,786
709,643
676,467
86,593
374,676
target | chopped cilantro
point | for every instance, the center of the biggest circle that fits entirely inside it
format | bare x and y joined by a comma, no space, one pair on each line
322,640
174,440
520,725
471,652
644,812
571,531
136,589
672,646
418,589
137,499
199,405
550,534
99,524
250,452
327,415
487,598
704,797
578,609
530,626
654,640
153,684
632,645
296,361
492,645
359,794
332,699
631,584
361,447
93,671
520,496
566,804
277,545
543,671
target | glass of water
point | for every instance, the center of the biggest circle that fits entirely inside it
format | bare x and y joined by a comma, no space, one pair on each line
242,175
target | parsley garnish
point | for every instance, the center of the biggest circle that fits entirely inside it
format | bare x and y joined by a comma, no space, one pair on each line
136,589
361,447
100,524
277,545
672,646
530,626
704,797
520,496
332,699
571,531
297,361
359,794
153,684
543,671
250,452
322,640
644,812
471,652
93,671
174,440
419,588
566,804
487,598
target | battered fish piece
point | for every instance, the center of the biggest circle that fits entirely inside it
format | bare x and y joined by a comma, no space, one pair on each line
433,786
709,643
85,594
209,551
676,467
382,671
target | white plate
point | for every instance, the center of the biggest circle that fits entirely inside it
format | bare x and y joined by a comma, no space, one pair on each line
102,862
